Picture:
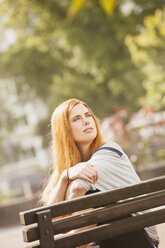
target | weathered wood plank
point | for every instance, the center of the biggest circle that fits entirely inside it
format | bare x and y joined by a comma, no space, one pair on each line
102,215
96,200
113,229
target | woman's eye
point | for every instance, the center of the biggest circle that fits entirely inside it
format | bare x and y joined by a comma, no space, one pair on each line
89,115
77,118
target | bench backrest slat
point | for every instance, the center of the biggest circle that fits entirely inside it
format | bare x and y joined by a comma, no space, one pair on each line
113,207
112,229
96,200
101,215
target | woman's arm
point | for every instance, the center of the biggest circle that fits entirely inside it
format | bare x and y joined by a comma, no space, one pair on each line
82,170
59,191
75,190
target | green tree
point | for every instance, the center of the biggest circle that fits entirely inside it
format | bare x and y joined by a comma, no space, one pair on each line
85,57
148,52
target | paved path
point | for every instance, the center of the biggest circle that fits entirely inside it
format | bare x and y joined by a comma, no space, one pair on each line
161,232
12,237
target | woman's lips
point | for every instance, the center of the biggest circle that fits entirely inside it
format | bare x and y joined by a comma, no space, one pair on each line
88,130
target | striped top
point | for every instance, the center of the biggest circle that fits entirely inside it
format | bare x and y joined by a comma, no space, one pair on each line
114,170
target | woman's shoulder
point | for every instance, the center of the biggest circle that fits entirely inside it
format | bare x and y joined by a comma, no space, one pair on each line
112,144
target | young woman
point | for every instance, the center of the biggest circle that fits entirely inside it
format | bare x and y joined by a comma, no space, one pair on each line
83,162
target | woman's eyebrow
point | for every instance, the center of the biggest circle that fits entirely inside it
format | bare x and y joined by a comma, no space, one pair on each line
75,116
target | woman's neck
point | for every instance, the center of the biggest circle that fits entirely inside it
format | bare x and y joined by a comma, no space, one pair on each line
84,151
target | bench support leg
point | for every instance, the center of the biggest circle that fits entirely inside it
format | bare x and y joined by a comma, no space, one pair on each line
46,229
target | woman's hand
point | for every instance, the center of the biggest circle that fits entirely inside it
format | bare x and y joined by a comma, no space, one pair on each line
83,170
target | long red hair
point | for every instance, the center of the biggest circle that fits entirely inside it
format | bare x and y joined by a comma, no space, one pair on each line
64,149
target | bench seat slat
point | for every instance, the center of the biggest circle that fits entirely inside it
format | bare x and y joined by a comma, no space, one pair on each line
96,200
101,215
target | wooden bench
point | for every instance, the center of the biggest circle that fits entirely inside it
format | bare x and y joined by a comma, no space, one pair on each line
106,207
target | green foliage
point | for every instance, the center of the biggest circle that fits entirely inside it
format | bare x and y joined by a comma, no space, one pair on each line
160,156
148,52
5,198
84,58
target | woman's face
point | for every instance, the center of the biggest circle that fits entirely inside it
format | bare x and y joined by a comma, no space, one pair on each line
82,124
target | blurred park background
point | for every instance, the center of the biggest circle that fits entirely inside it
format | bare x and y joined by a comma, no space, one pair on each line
108,53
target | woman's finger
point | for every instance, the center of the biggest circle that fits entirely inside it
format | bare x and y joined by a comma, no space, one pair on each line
92,177
89,174
93,171
92,174
87,179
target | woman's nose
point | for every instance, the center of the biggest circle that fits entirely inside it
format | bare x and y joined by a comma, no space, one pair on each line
85,121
